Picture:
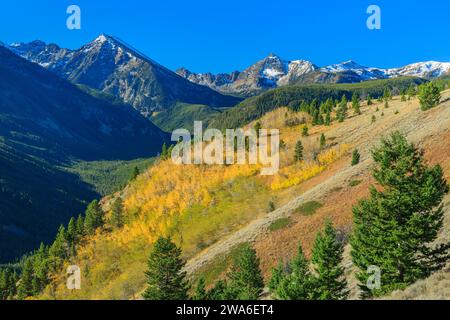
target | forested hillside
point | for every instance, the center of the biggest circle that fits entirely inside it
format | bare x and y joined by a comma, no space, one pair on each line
213,212
46,124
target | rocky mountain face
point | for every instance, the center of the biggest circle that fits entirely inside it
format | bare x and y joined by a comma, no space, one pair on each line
274,72
268,73
46,123
109,65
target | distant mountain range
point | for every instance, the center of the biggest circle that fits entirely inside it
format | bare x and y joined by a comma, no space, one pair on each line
46,123
110,65
273,72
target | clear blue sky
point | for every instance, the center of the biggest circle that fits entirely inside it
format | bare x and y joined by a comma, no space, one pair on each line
227,35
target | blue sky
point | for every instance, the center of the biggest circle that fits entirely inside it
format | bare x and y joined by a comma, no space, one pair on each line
222,36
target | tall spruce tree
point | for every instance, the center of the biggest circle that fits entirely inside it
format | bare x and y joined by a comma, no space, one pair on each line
395,228
355,157
330,283
298,152
356,104
25,288
93,218
166,279
246,281
342,109
117,219
323,141
200,292
296,283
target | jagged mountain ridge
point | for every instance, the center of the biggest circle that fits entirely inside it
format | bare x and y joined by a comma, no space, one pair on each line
47,123
110,65
273,71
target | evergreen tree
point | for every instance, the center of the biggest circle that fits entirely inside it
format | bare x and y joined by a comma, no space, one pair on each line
355,157
369,100
93,218
166,279
355,104
328,118
72,234
200,290
373,119
25,288
395,228
246,281
298,154
411,92
403,98
323,141
218,292
276,278
163,153
387,94
80,227
342,109
136,173
305,132
41,268
117,219
59,249
330,283
429,95
297,283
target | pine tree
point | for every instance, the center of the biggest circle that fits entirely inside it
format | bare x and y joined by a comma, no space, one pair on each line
80,227
369,100
246,281
136,173
330,283
200,290
355,104
163,152
297,283
218,292
166,279
328,118
117,219
387,94
395,228
355,157
41,269
342,109
298,153
276,277
72,234
93,218
25,288
373,119
305,131
323,141
429,95
59,249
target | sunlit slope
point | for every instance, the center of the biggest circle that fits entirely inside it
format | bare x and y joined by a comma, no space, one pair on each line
209,210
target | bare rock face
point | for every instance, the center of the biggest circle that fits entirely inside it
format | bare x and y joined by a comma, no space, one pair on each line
110,65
